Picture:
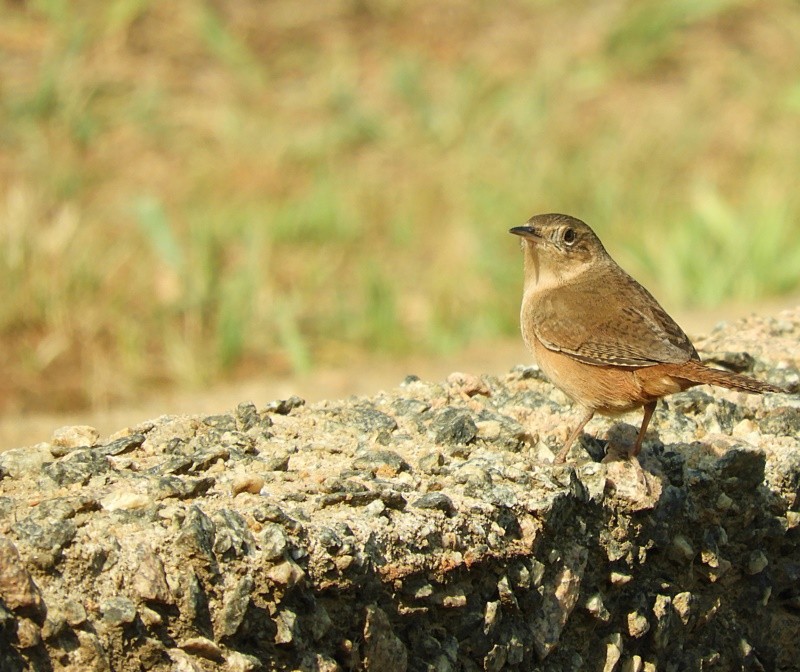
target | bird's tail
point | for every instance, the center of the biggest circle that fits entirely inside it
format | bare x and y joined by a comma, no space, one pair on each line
697,372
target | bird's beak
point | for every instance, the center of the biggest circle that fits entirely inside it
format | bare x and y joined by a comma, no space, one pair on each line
526,232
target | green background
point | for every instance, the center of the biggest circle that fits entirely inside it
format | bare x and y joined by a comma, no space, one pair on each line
193,190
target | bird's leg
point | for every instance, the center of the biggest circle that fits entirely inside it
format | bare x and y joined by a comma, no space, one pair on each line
648,413
562,454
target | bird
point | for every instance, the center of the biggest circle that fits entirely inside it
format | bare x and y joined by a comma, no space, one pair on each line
600,336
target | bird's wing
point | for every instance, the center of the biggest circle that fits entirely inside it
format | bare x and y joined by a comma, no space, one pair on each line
611,320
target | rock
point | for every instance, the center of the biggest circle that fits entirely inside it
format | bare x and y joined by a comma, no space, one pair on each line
637,624
756,563
430,463
17,589
272,541
364,417
241,662
682,603
149,580
468,384
435,500
118,611
77,467
232,535
74,613
123,445
285,406
781,421
633,664
382,649
197,535
596,607
66,439
24,462
681,549
286,574
381,462
203,647
613,652
492,617
235,606
247,416
286,626
48,534
559,599
29,634
620,578
183,662
454,426
415,529
224,423
125,500
251,483
495,660
180,487
742,468
662,611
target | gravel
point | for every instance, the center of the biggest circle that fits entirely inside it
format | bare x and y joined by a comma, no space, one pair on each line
424,528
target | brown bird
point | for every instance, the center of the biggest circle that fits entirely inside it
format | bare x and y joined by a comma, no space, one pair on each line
597,334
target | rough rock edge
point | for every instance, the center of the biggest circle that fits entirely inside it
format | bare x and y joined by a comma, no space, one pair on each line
422,529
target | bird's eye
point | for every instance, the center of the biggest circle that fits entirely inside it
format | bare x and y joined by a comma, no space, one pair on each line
568,236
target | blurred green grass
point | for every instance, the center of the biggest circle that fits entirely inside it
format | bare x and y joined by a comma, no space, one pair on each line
198,189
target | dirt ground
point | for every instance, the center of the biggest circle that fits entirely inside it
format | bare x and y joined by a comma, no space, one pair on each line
368,376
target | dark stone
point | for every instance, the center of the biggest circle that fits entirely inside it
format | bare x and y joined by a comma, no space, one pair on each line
436,500
349,498
123,445
373,460
272,513
79,467
6,506
195,602
180,487
393,499
175,445
118,611
454,426
285,406
781,421
382,647
738,362
344,485
203,459
175,465
692,402
672,463
221,422
512,434
431,463
742,468
727,414
233,537
46,535
235,606
329,540
592,445
364,418
409,407
197,534
247,416
276,462
524,372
